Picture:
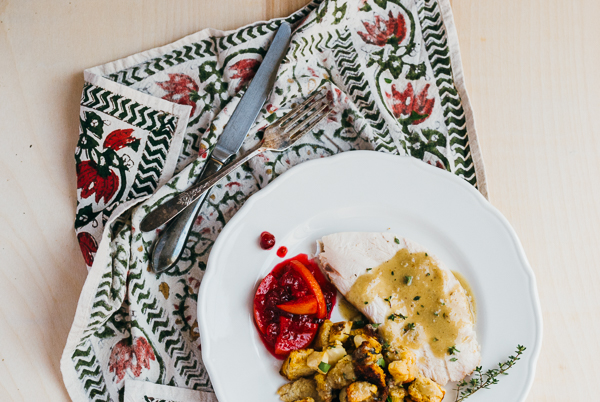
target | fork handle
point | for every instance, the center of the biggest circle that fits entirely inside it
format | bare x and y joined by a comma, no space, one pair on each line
175,205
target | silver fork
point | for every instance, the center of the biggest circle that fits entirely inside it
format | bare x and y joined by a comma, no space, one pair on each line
279,136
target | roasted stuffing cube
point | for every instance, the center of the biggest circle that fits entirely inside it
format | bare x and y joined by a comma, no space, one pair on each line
315,359
342,374
335,353
340,331
425,390
359,391
367,352
404,368
295,365
372,341
323,388
365,331
372,373
322,339
396,394
299,390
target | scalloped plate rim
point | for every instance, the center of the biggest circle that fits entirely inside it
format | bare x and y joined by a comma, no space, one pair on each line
340,158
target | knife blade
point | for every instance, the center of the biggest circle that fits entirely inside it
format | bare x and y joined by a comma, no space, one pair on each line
171,241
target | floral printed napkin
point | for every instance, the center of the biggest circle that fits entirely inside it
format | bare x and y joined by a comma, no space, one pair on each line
148,122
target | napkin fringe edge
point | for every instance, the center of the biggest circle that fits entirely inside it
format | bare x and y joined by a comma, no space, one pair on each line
459,83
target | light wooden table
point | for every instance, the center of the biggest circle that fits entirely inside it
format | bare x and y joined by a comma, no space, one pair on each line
533,77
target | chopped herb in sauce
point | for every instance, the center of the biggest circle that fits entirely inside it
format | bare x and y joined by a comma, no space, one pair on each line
396,240
435,339
416,296
366,302
453,359
394,316
381,362
452,350
368,269
376,325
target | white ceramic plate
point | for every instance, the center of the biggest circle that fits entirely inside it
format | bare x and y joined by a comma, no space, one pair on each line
367,191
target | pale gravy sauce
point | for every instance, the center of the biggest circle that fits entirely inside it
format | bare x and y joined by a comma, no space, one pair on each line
423,305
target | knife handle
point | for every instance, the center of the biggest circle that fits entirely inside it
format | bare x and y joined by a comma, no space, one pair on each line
172,240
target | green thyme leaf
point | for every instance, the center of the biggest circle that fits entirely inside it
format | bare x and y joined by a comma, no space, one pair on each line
480,380
408,280
381,362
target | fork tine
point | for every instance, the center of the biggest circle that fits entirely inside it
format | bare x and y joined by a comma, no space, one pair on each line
301,114
279,122
299,130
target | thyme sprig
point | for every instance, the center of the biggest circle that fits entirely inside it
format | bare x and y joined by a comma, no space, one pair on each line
480,380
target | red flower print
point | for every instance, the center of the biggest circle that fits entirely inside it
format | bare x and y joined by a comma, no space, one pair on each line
134,357
437,164
330,98
382,30
405,103
180,89
313,72
88,246
120,138
245,70
90,181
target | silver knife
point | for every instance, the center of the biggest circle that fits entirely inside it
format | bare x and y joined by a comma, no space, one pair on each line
172,240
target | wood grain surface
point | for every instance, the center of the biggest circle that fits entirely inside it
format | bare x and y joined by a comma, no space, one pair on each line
532,73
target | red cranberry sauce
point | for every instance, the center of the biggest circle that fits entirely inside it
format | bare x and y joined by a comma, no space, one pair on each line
280,331
282,251
267,241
